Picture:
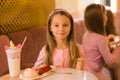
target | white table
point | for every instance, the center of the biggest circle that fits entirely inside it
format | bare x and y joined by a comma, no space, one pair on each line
70,74
61,74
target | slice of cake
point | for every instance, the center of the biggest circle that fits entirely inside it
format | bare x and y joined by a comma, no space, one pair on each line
44,69
33,72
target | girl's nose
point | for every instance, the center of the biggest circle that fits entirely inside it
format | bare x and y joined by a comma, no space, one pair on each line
61,27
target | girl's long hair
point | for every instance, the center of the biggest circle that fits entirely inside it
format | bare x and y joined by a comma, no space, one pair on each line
94,18
51,42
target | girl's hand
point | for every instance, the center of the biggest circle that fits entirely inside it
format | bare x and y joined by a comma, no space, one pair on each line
111,38
80,63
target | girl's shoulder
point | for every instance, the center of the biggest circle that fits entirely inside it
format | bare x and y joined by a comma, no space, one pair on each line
96,36
92,35
100,38
43,48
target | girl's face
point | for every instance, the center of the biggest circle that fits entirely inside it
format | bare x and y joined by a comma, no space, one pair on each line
60,27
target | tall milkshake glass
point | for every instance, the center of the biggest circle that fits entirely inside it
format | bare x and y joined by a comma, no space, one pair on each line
13,57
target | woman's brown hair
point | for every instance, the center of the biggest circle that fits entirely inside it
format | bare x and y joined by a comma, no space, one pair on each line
94,18
110,27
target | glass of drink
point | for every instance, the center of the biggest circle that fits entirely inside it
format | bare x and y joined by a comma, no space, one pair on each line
13,57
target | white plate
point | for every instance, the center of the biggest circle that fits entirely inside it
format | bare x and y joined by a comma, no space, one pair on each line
39,76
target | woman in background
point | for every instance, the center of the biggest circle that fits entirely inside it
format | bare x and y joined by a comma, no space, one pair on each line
110,27
95,43
112,36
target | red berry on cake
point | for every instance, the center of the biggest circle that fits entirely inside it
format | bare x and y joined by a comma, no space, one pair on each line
44,69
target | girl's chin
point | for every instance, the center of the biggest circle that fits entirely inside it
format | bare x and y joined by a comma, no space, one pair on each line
61,38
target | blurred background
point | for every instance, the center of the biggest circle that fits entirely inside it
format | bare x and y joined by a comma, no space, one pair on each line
19,15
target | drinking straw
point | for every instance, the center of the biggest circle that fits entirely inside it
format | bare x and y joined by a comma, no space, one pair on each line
24,41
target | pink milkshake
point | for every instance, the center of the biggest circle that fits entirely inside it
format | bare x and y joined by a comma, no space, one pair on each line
13,56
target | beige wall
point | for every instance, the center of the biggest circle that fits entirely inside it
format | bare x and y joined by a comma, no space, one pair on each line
118,4
70,5
76,7
67,4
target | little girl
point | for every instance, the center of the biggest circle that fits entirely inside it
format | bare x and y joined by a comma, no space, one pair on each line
95,43
61,49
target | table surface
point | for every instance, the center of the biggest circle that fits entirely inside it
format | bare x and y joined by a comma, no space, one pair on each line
60,74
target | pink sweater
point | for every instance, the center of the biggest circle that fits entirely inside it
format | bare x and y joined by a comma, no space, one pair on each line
97,52
60,57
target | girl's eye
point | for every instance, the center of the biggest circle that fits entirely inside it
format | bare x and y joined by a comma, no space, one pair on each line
65,25
56,25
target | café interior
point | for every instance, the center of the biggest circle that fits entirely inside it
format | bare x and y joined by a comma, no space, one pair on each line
21,18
